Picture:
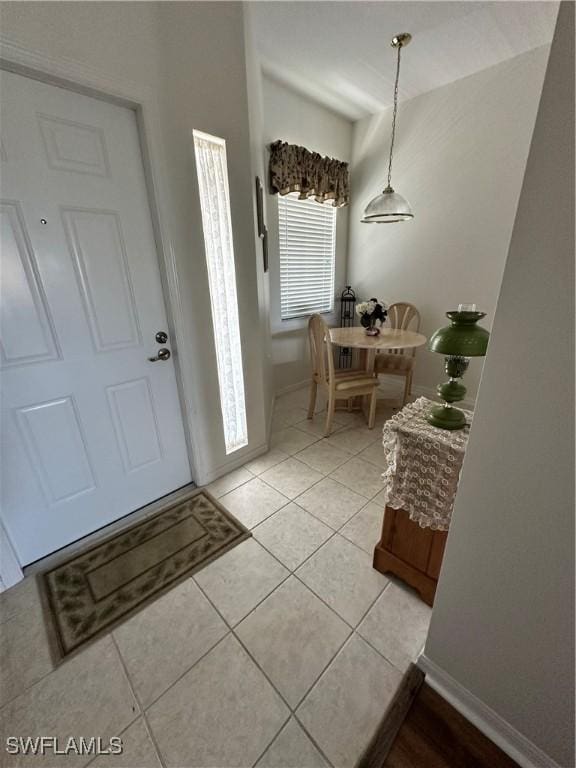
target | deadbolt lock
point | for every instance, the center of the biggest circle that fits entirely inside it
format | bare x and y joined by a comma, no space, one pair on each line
161,337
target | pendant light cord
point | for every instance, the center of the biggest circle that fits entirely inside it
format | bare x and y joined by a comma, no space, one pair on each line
394,118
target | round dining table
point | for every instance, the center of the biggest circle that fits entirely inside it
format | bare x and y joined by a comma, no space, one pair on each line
388,338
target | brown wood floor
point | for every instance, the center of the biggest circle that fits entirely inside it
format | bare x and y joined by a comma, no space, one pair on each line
435,735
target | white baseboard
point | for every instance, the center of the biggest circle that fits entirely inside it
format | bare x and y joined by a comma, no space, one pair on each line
230,466
292,387
269,426
259,451
498,730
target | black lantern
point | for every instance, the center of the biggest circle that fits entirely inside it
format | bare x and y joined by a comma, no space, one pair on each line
347,304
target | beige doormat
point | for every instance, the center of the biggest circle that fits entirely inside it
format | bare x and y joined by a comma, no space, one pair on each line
101,586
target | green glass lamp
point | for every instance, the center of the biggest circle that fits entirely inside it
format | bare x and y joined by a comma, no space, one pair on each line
459,341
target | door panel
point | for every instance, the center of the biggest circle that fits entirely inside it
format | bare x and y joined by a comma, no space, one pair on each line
91,430
57,449
99,252
73,147
136,423
24,302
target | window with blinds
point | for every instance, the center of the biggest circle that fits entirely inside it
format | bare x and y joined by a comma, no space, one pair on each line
307,232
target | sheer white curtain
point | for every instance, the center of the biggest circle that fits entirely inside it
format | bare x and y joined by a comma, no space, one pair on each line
216,222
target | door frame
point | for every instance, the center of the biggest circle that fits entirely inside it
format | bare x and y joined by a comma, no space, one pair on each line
88,81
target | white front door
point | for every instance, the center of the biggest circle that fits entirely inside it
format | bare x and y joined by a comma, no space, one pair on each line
91,430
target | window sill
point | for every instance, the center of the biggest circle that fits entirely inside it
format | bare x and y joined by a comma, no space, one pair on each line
295,324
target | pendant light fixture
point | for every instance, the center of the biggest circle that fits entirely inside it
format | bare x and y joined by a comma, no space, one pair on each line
390,206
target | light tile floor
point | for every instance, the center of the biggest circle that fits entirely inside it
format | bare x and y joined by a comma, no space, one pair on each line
283,652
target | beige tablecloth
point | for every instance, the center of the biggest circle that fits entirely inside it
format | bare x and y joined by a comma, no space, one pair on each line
423,465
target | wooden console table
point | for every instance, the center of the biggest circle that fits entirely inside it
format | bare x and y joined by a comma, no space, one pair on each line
412,553
422,470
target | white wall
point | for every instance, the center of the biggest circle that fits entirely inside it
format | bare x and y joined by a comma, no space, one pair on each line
503,621
189,61
259,158
293,118
203,75
459,158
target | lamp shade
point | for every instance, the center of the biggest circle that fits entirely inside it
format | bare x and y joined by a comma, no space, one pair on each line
387,208
462,337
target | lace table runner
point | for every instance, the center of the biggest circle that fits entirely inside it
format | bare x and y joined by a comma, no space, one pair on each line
423,465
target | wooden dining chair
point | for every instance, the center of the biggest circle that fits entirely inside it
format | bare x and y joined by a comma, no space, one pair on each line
338,385
400,362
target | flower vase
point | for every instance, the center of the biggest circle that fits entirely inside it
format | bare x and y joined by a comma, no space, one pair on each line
369,325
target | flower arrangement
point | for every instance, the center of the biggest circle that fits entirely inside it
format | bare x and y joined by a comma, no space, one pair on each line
369,312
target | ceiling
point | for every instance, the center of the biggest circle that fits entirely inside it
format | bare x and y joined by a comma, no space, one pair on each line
338,53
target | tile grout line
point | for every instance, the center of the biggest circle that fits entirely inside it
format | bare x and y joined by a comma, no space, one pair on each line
319,438
291,709
125,670
312,739
352,629
257,663
140,715
288,501
324,477
231,631
324,668
153,740
261,472
368,642
339,531
378,596
276,557
266,596
251,657
276,736
316,679
189,669
294,574
294,455
134,694
336,530
268,747
290,572
144,709
27,688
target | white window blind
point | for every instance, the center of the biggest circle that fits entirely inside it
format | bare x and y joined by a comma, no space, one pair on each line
212,172
307,255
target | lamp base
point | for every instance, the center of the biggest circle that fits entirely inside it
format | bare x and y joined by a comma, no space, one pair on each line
446,417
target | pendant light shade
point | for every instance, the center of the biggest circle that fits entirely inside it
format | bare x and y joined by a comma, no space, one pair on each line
389,206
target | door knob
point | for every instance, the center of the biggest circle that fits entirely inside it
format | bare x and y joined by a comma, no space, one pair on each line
163,354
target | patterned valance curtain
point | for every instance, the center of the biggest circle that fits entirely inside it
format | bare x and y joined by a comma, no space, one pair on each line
296,169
